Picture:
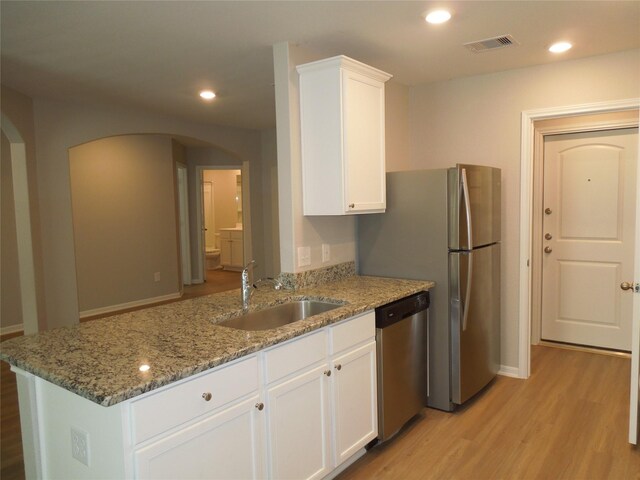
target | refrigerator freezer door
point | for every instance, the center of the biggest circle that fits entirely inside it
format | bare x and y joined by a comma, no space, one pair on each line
474,206
475,320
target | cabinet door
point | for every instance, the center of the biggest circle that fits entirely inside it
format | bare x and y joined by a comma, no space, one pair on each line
364,150
225,252
236,253
299,426
227,445
355,413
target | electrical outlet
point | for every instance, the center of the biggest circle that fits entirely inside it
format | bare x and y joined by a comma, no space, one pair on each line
80,445
304,256
156,276
326,252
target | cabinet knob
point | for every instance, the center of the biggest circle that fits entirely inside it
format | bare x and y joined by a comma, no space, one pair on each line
548,236
547,250
627,286
352,205
338,367
260,406
207,396
327,373
547,211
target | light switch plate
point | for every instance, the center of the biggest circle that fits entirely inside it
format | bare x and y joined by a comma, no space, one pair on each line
326,252
304,256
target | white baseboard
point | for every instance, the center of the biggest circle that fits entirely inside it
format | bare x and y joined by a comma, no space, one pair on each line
11,329
507,371
124,306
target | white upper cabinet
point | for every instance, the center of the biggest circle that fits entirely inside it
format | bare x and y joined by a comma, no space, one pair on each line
342,134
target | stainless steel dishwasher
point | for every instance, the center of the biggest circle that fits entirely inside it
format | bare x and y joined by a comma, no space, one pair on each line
402,353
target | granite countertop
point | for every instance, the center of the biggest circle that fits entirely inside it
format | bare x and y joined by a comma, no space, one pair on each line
100,359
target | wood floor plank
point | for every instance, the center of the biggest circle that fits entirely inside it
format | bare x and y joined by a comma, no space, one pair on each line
567,421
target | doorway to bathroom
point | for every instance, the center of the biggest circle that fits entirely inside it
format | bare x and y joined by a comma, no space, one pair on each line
221,232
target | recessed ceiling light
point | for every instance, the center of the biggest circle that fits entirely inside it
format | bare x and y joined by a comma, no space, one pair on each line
438,16
207,94
560,47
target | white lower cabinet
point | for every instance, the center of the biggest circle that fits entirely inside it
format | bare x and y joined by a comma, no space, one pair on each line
297,410
299,427
226,445
324,413
355,411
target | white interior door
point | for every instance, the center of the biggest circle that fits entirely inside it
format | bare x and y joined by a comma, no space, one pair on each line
589,228
209,215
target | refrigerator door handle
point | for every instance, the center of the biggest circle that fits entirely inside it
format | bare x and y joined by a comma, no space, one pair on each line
467,294
467,207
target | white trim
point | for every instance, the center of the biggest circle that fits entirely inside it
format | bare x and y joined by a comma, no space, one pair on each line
198,276
11,329
123,306
507,371
526,178
22,207
183,223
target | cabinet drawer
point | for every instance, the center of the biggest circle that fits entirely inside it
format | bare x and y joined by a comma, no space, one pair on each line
352,332
174,405
295,355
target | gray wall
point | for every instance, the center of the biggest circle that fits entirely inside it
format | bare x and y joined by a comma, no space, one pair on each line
477,120
62,125
124,220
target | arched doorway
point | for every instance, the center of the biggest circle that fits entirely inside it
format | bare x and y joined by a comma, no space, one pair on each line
24,235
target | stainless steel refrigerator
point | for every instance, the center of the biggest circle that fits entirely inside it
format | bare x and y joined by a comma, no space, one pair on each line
444,225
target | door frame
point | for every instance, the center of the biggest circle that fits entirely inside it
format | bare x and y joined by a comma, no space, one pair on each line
199,272
31,315
543,128
527,176
183,223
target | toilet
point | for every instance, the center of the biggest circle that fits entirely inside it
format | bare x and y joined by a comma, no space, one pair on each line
212,254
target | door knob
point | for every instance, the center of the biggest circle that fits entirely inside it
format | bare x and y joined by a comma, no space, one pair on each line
548,236
626,286
547,211
547,250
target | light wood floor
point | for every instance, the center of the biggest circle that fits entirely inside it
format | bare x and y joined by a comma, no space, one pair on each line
11,462
569,420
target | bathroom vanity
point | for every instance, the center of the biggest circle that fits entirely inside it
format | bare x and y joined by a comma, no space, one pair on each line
167,392
231,248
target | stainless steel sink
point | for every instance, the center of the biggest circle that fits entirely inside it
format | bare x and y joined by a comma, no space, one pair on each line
280,315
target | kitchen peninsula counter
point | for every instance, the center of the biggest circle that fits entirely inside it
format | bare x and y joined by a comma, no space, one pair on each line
100,360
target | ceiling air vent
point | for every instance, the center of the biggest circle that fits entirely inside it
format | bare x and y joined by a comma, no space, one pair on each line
491,43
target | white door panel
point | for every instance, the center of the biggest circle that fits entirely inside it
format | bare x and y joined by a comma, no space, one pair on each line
589,223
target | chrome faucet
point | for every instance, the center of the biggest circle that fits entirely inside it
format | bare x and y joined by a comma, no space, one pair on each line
276,284
246,289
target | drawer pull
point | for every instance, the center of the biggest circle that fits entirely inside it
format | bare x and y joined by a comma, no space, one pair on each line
327,373
207,396
260,406
338,367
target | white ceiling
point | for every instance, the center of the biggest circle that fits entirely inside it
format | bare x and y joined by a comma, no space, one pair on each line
157,55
